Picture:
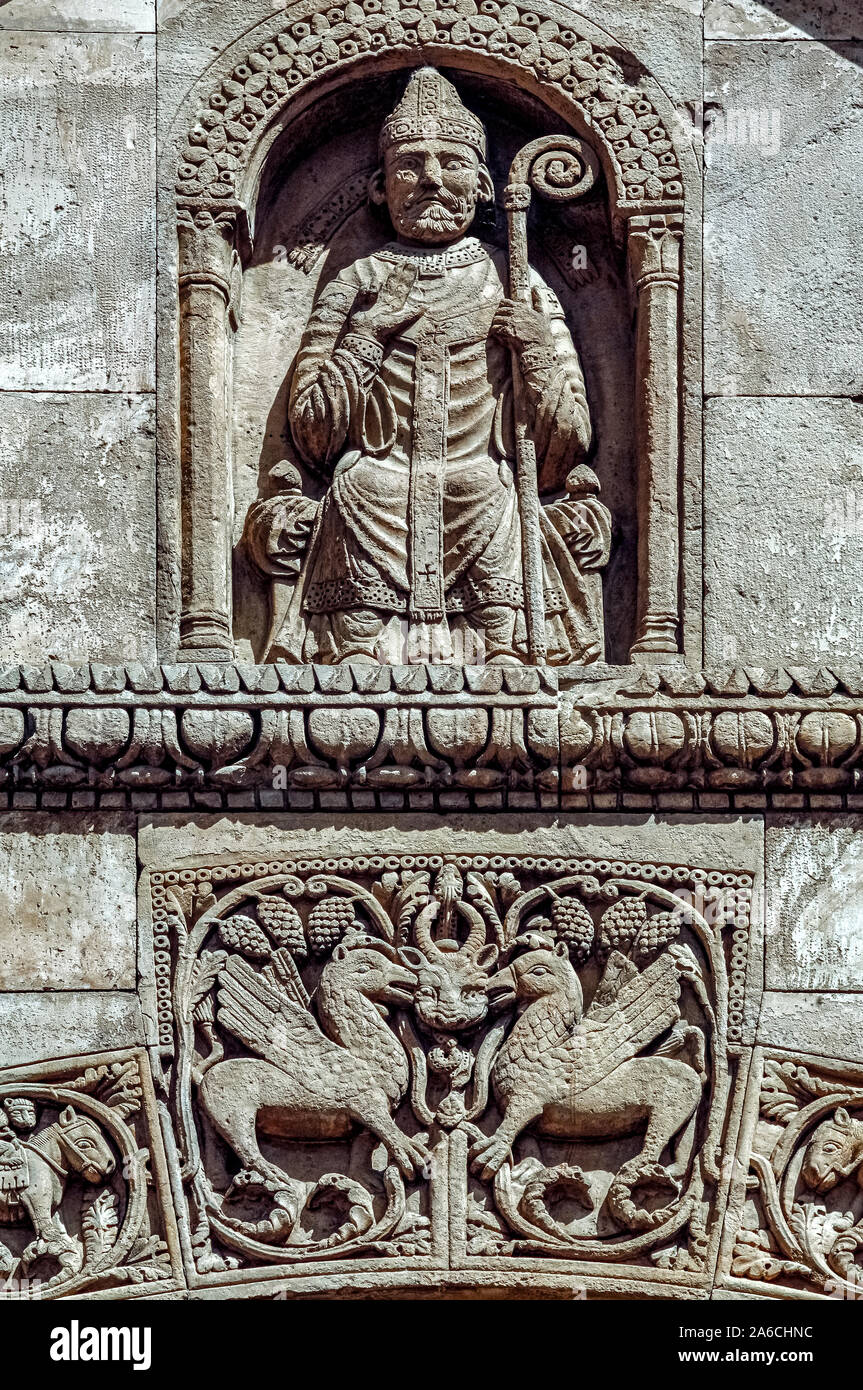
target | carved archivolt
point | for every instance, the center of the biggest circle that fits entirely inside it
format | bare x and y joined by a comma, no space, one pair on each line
637,143
453,1061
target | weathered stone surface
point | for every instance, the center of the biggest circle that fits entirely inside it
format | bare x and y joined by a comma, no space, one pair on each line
783,530
77,549
783,279
55,16
67,904
735,842
812,1024
814,898
78,214
423,947
665,35
65,1023
782,19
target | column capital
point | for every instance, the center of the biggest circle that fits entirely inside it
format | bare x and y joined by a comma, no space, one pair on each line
208,235
653,246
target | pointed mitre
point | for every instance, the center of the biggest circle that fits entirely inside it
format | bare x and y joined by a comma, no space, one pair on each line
431,106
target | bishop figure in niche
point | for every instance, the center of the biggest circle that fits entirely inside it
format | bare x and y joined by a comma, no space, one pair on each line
402,395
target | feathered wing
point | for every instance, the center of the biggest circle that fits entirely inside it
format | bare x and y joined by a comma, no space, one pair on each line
265,1018
612,1034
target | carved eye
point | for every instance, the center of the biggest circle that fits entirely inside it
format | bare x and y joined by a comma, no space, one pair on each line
540,970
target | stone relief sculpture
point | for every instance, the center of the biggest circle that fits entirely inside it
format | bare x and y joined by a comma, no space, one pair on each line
250,126
413,1055
439,390
800,1208
81,1209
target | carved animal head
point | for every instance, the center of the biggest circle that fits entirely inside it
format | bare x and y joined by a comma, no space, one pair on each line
451,985
451,975
21,1112
84,1146
834,1152
372,971
536,975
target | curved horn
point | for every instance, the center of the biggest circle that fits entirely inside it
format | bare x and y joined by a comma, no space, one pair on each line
422,930
477,934
352,941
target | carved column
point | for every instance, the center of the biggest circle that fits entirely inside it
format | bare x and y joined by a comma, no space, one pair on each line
654,260
206,254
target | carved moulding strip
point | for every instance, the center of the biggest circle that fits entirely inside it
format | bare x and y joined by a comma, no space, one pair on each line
350,1090
795,1218
84,1200
469,733
650,168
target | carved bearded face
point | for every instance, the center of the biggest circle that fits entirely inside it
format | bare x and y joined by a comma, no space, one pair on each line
432,189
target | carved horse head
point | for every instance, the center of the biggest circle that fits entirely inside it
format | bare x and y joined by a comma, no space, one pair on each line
75,1144
834,1152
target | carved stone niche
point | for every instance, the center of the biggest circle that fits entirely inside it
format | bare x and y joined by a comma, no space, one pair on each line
405,1071
276,147
84,1206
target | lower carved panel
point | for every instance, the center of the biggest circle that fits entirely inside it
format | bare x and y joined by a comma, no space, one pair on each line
83,1189
396,1067
797,1228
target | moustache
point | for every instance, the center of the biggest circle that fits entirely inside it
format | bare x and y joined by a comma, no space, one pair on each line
441,198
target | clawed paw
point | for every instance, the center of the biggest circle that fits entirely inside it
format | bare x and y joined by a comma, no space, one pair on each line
488,1155
412,1157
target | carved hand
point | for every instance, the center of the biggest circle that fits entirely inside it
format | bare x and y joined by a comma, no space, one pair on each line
581,536
522,326
388,313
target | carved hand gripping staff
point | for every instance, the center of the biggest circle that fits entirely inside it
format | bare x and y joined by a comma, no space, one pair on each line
560,168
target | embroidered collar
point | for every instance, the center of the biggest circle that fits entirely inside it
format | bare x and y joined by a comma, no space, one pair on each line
468,251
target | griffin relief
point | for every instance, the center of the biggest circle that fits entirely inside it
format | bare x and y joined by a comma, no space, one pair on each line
401,1057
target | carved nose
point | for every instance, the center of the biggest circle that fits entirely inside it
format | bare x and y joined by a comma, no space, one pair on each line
432,174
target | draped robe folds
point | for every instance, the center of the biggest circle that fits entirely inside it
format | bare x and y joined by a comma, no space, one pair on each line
421,520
